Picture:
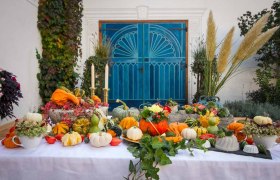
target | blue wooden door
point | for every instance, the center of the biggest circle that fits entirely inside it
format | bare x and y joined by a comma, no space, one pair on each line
148,61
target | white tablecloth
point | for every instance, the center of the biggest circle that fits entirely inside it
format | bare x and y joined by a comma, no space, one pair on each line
83,162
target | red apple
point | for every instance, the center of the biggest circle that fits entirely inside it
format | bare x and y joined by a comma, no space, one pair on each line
50,139
115,141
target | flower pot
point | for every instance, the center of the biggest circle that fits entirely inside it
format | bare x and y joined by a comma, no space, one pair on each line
28,142
57,115
267,141
174,109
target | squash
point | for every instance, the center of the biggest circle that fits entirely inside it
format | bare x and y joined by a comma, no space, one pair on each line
33,117
94,124
60,97
123,111
262,120
240,136
96,99
117,130
213,129
128,122
235,126
188,133
175,139
60,128
113,134
8,143
71,139
177,127
100,139
81,125
153,128
200,130
134,133
79,92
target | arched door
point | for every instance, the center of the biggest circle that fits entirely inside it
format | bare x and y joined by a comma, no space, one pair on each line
148,60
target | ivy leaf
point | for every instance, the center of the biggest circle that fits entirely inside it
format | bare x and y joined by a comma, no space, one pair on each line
132,168
152,173
156,144
164,160
148,156
158,155
135,152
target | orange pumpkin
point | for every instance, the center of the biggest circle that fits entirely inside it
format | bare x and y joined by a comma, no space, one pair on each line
240,136
96,99
177,127
149,127
235,126
112,132
60,97
174,139
8,143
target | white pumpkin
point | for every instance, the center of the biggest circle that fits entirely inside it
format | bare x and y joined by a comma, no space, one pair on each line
134,133
188,133
100,139
262,120
33,117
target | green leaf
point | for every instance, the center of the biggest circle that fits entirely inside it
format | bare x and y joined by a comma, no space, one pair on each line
149,156
158,155
156,144
152,173
132,168
164,160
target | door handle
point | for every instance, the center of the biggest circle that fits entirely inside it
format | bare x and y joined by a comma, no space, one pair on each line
141,69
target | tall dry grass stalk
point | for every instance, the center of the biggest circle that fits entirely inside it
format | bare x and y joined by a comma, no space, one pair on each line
250,37
260,41
252,42
225,52
211,38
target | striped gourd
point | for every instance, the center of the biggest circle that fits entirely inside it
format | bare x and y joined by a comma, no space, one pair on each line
200,130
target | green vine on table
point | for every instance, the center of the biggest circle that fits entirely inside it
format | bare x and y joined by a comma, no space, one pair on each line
154,151
60,26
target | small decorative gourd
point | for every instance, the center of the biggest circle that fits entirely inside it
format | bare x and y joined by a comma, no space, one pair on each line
71,139
262,120
81,126
200,130
100,139
123,111
134,133
60,97
177,127
188,133
60,128
94,124
128,122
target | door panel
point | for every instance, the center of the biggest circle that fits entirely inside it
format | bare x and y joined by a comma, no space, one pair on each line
148,60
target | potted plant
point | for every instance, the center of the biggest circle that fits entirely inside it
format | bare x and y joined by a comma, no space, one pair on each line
9,93
263,130
30,133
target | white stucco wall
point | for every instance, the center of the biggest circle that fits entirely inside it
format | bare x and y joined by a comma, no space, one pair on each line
225,13
19,36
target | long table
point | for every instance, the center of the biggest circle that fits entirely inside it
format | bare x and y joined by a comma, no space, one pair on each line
84,162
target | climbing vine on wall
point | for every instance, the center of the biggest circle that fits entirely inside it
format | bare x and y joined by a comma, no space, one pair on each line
60,26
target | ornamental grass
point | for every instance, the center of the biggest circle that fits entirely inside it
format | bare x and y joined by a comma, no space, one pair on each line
228,65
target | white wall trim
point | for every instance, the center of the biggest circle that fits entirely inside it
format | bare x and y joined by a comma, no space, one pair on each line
193,15
33,2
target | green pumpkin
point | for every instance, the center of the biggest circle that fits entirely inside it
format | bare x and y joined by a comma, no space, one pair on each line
123,111
94,124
